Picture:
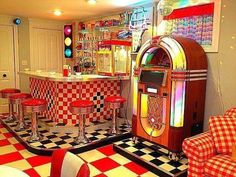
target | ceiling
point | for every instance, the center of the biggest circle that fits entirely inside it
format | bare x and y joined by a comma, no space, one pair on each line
71,9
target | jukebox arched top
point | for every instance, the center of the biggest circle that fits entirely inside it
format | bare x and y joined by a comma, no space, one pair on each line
173,52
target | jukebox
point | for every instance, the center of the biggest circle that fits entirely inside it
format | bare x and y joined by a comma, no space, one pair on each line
169,91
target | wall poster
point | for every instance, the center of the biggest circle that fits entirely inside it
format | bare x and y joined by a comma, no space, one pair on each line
199,22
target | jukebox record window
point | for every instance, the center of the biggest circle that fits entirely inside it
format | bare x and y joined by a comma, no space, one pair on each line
153,77
155,56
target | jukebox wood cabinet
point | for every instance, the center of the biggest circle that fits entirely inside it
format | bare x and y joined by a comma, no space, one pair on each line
169,91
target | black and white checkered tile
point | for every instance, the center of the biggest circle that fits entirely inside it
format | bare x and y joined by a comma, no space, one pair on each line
49,97
55,140
154,155
98,99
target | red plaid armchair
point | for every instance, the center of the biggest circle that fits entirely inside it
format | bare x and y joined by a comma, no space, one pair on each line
209,153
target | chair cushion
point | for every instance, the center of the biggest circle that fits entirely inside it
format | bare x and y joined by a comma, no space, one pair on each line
223,130
115,99
231,112
81,103
220,165
34,102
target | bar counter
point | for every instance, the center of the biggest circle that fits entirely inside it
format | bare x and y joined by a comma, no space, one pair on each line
57,77
59,91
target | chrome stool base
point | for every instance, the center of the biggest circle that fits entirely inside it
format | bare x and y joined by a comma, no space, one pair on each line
11,118
81,138
16,100
35,137
114,129
34,106
114,103
21,126
81,108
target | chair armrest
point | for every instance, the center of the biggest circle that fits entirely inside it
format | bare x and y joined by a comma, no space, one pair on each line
200,147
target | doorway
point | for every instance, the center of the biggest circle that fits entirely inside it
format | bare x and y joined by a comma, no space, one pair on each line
7,61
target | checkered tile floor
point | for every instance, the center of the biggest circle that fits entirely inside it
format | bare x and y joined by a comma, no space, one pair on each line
103,162
154,155
55,140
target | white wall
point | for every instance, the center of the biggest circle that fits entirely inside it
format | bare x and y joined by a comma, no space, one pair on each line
221,81
24,43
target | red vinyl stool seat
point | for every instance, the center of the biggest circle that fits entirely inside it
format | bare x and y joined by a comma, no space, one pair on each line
114,103
81,107
34,106
6,93
17,99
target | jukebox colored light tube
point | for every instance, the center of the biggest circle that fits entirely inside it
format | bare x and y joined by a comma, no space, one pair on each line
147,57
135,95
176,52
177,104
144,105
139,58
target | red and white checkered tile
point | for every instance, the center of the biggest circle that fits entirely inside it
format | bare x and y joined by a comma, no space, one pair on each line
60,94
45,90
103,162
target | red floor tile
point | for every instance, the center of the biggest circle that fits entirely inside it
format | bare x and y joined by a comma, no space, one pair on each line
135,168
7,158
32,173
19,146
101,175
107,150
105,164
4,142
38,160
8,135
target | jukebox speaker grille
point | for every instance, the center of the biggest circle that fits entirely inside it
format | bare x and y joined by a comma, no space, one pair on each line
153,122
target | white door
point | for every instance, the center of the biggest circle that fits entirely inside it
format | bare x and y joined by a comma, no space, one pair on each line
7,61
46,50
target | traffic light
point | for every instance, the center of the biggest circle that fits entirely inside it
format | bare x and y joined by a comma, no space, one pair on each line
68,51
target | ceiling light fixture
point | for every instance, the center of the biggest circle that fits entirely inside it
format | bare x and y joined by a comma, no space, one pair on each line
92,2
57,12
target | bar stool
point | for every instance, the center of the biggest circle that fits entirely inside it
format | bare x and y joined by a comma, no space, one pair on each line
81,107
6,93
17,99
34,106
114,103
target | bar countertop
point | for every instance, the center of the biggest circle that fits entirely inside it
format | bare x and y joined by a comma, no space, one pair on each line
57,77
